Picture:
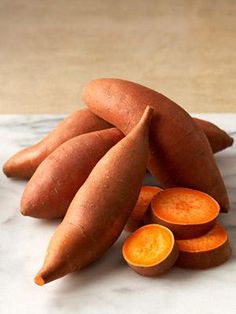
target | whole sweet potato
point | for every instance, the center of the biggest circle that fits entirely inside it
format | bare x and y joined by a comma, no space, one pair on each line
24,163
180,153
51,189
100,209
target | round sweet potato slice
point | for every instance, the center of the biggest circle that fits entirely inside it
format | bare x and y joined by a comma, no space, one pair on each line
209,250
187,213
151,250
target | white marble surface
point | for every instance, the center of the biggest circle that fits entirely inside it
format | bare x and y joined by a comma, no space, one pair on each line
109,286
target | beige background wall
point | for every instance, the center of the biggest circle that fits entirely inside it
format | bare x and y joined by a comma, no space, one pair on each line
184,49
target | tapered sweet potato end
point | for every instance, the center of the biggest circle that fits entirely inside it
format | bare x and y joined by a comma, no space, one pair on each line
27,205
39,280
151,250
230,141
218,138
14,168
20,165
52,269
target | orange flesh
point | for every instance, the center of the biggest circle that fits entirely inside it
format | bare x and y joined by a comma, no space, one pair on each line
145,196
39,280
209,241
185,206
148,245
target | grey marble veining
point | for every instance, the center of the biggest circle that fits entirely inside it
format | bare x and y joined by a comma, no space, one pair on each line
108,286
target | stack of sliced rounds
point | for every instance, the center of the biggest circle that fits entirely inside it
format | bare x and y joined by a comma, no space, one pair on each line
151,250
209,250
187,213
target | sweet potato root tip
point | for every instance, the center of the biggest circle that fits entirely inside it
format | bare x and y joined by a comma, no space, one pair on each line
24,163
39,280
151,250
101,207
218,138
187,213
208,250
137,217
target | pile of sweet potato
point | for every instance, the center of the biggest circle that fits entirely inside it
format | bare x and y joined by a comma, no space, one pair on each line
90,170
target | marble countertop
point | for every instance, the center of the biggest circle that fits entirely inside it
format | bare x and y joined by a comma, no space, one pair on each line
108,286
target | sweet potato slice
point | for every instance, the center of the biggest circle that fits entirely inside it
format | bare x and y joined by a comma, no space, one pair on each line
208,250
187,213
151,250
137,217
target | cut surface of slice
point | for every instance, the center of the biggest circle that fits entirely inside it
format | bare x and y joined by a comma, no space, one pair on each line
150,250
187,213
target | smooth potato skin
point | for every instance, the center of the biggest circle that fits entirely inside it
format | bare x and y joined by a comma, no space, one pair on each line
101,207
51,189
158,269
218,138
207,259
180,153
24,163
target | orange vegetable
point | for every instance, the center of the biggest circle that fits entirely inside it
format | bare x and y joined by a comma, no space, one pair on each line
24,163
51,189
180,153
217,137
100,209
187,213
137,217
208,250
151,250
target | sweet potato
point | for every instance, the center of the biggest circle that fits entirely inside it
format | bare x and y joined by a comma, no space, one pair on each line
137,216
101,207
187,213
209,250
151,250
180,153
217,137
66,169
24,163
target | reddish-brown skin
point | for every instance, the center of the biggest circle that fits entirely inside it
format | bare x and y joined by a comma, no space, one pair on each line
101,207
186,231
217,137
158,269
207,259
180,153
24,163
51,189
